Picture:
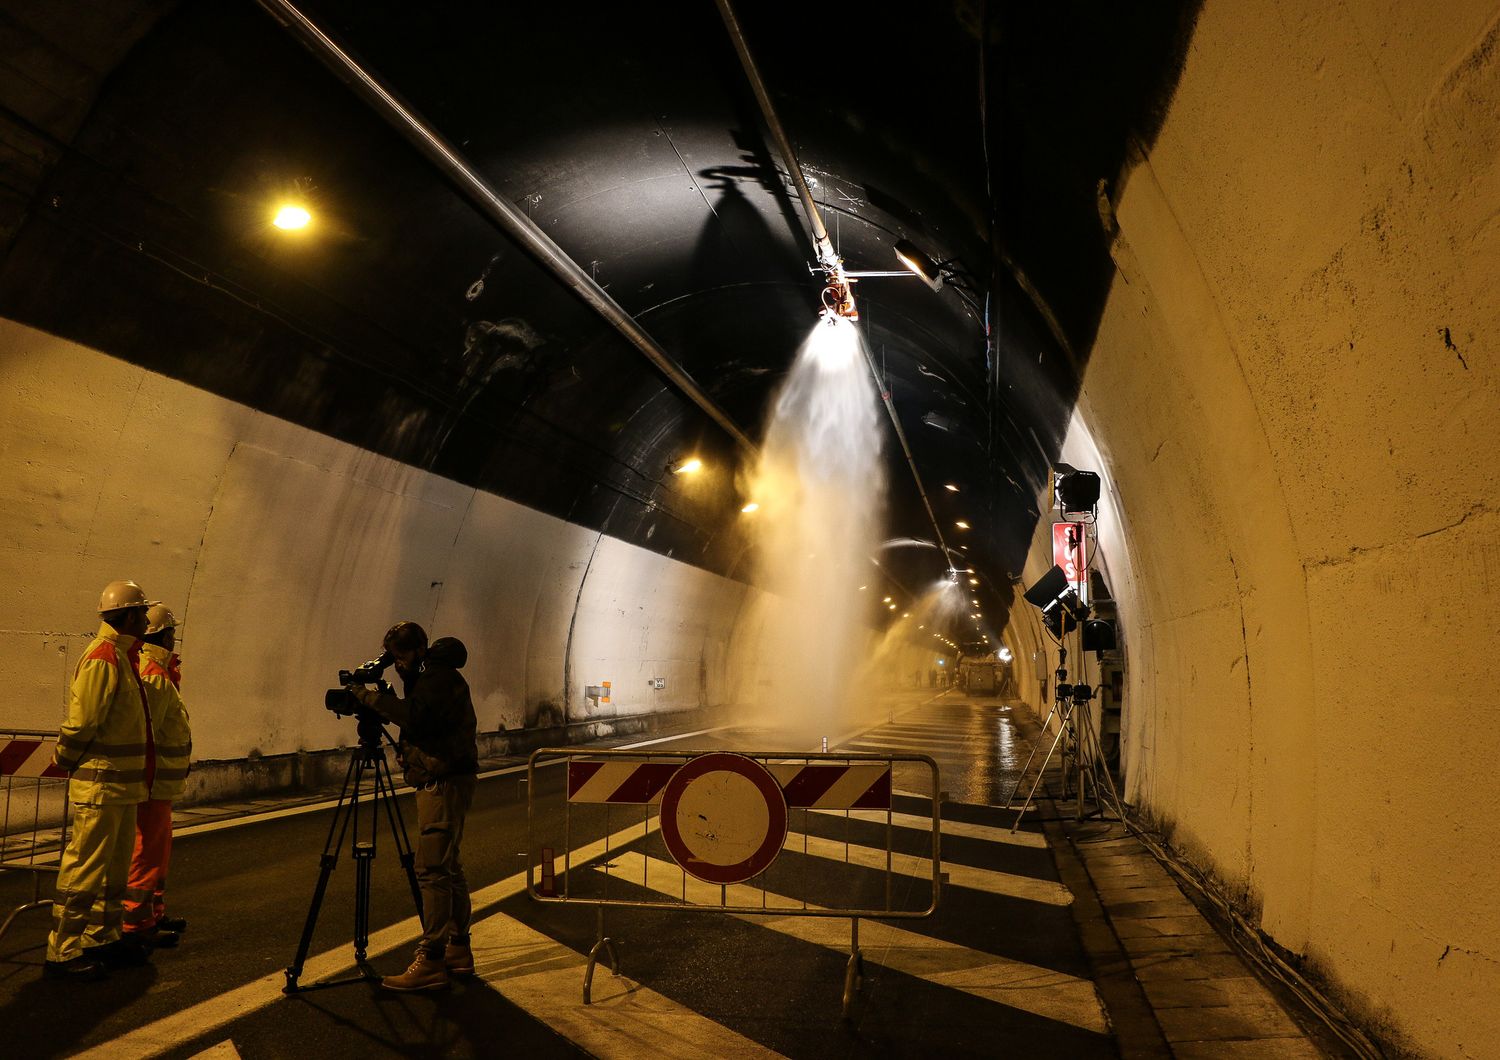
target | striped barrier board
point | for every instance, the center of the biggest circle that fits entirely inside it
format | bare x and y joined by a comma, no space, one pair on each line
822,786
28,758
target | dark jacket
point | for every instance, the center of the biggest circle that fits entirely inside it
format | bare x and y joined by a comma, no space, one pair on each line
436,717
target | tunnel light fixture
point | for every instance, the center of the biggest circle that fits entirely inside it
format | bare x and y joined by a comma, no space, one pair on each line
919,263
689,466
751,507
906,614
891,607
961,524
862,588
886,600
973,581
292,218
950,487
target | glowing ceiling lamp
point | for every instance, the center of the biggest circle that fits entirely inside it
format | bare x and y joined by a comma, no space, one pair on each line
950,487
751,507
688,466
961,525
292,218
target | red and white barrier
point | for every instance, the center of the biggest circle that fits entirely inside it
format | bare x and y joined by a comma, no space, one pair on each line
28,758
821,786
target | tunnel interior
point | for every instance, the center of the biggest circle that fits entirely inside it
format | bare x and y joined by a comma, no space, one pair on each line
1234,259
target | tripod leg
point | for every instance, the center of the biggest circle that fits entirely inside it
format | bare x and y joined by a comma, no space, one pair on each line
398,833
1062,728
326,863
1021,776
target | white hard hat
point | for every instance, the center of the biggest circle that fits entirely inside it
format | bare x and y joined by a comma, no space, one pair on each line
159,618
118,595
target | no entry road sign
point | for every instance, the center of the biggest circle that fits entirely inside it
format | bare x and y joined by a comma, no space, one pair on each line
723,817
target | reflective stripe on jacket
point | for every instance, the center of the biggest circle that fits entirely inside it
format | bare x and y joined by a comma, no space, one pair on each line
169,720
106,739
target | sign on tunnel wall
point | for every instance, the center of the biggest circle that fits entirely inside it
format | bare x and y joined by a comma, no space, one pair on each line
1070,552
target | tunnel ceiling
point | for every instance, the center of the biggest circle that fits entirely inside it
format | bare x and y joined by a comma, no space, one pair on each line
145,144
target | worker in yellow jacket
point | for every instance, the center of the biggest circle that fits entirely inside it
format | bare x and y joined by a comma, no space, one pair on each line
145,892
107,747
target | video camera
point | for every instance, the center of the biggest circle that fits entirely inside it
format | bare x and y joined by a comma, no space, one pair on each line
342,700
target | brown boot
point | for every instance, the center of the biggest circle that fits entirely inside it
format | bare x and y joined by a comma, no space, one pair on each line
425,973
459,959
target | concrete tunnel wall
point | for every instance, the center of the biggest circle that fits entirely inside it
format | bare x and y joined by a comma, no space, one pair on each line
286,555
1294,395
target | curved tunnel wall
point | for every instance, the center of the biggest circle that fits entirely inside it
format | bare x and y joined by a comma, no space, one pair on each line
1294,393
286,554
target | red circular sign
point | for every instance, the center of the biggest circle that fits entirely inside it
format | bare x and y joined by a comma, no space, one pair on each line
723,817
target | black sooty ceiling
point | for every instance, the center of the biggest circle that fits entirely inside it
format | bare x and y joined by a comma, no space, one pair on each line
140,143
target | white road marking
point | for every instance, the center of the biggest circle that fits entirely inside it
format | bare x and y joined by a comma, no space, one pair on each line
220,1011
989,881
988,832
1027,987
545,978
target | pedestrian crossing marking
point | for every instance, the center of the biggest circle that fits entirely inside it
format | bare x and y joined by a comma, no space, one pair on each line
989,881
545,977
988,832
1040,991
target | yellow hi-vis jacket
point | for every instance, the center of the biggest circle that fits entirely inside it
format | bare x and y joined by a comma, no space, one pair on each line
169,720
106,739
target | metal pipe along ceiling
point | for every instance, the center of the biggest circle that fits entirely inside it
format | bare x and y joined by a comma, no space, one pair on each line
827,257
494,206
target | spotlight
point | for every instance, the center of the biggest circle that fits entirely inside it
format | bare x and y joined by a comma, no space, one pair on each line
930,272
1077,491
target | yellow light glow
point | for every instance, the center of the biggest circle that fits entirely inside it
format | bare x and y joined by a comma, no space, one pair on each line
687,467
906,614
892,607
751,507
973,581
950,487
862,588
290,218
961,525
886,600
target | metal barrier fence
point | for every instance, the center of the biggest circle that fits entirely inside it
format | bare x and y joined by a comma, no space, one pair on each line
33,811
722,820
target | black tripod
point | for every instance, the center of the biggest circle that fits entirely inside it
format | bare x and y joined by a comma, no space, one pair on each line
367,757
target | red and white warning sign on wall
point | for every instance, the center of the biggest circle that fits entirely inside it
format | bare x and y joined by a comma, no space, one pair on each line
1070,552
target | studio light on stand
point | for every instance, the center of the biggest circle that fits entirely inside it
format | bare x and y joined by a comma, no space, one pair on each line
1075,493
1063,612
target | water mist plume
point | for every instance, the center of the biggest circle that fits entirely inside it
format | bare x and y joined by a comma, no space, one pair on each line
820,485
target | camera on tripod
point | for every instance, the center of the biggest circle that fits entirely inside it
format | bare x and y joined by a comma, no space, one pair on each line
342,700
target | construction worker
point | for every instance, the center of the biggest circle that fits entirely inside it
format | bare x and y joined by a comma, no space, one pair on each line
106,745
145,892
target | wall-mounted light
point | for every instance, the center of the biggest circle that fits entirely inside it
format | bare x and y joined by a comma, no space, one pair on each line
961,525
751,507
291,218
688,466
929,271
950,487
973,581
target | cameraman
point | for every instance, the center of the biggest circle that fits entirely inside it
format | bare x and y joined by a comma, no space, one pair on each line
438,753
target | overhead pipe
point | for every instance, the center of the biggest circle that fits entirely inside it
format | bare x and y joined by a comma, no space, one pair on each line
828,258
494,206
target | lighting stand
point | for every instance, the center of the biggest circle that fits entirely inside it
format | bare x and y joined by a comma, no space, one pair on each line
1071,706
368,757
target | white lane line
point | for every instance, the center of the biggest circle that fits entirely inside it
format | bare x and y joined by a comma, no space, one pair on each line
220,1011
545,978
988,832
989,881
1028,987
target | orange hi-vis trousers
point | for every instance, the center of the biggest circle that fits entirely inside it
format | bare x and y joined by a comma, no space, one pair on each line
146,889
